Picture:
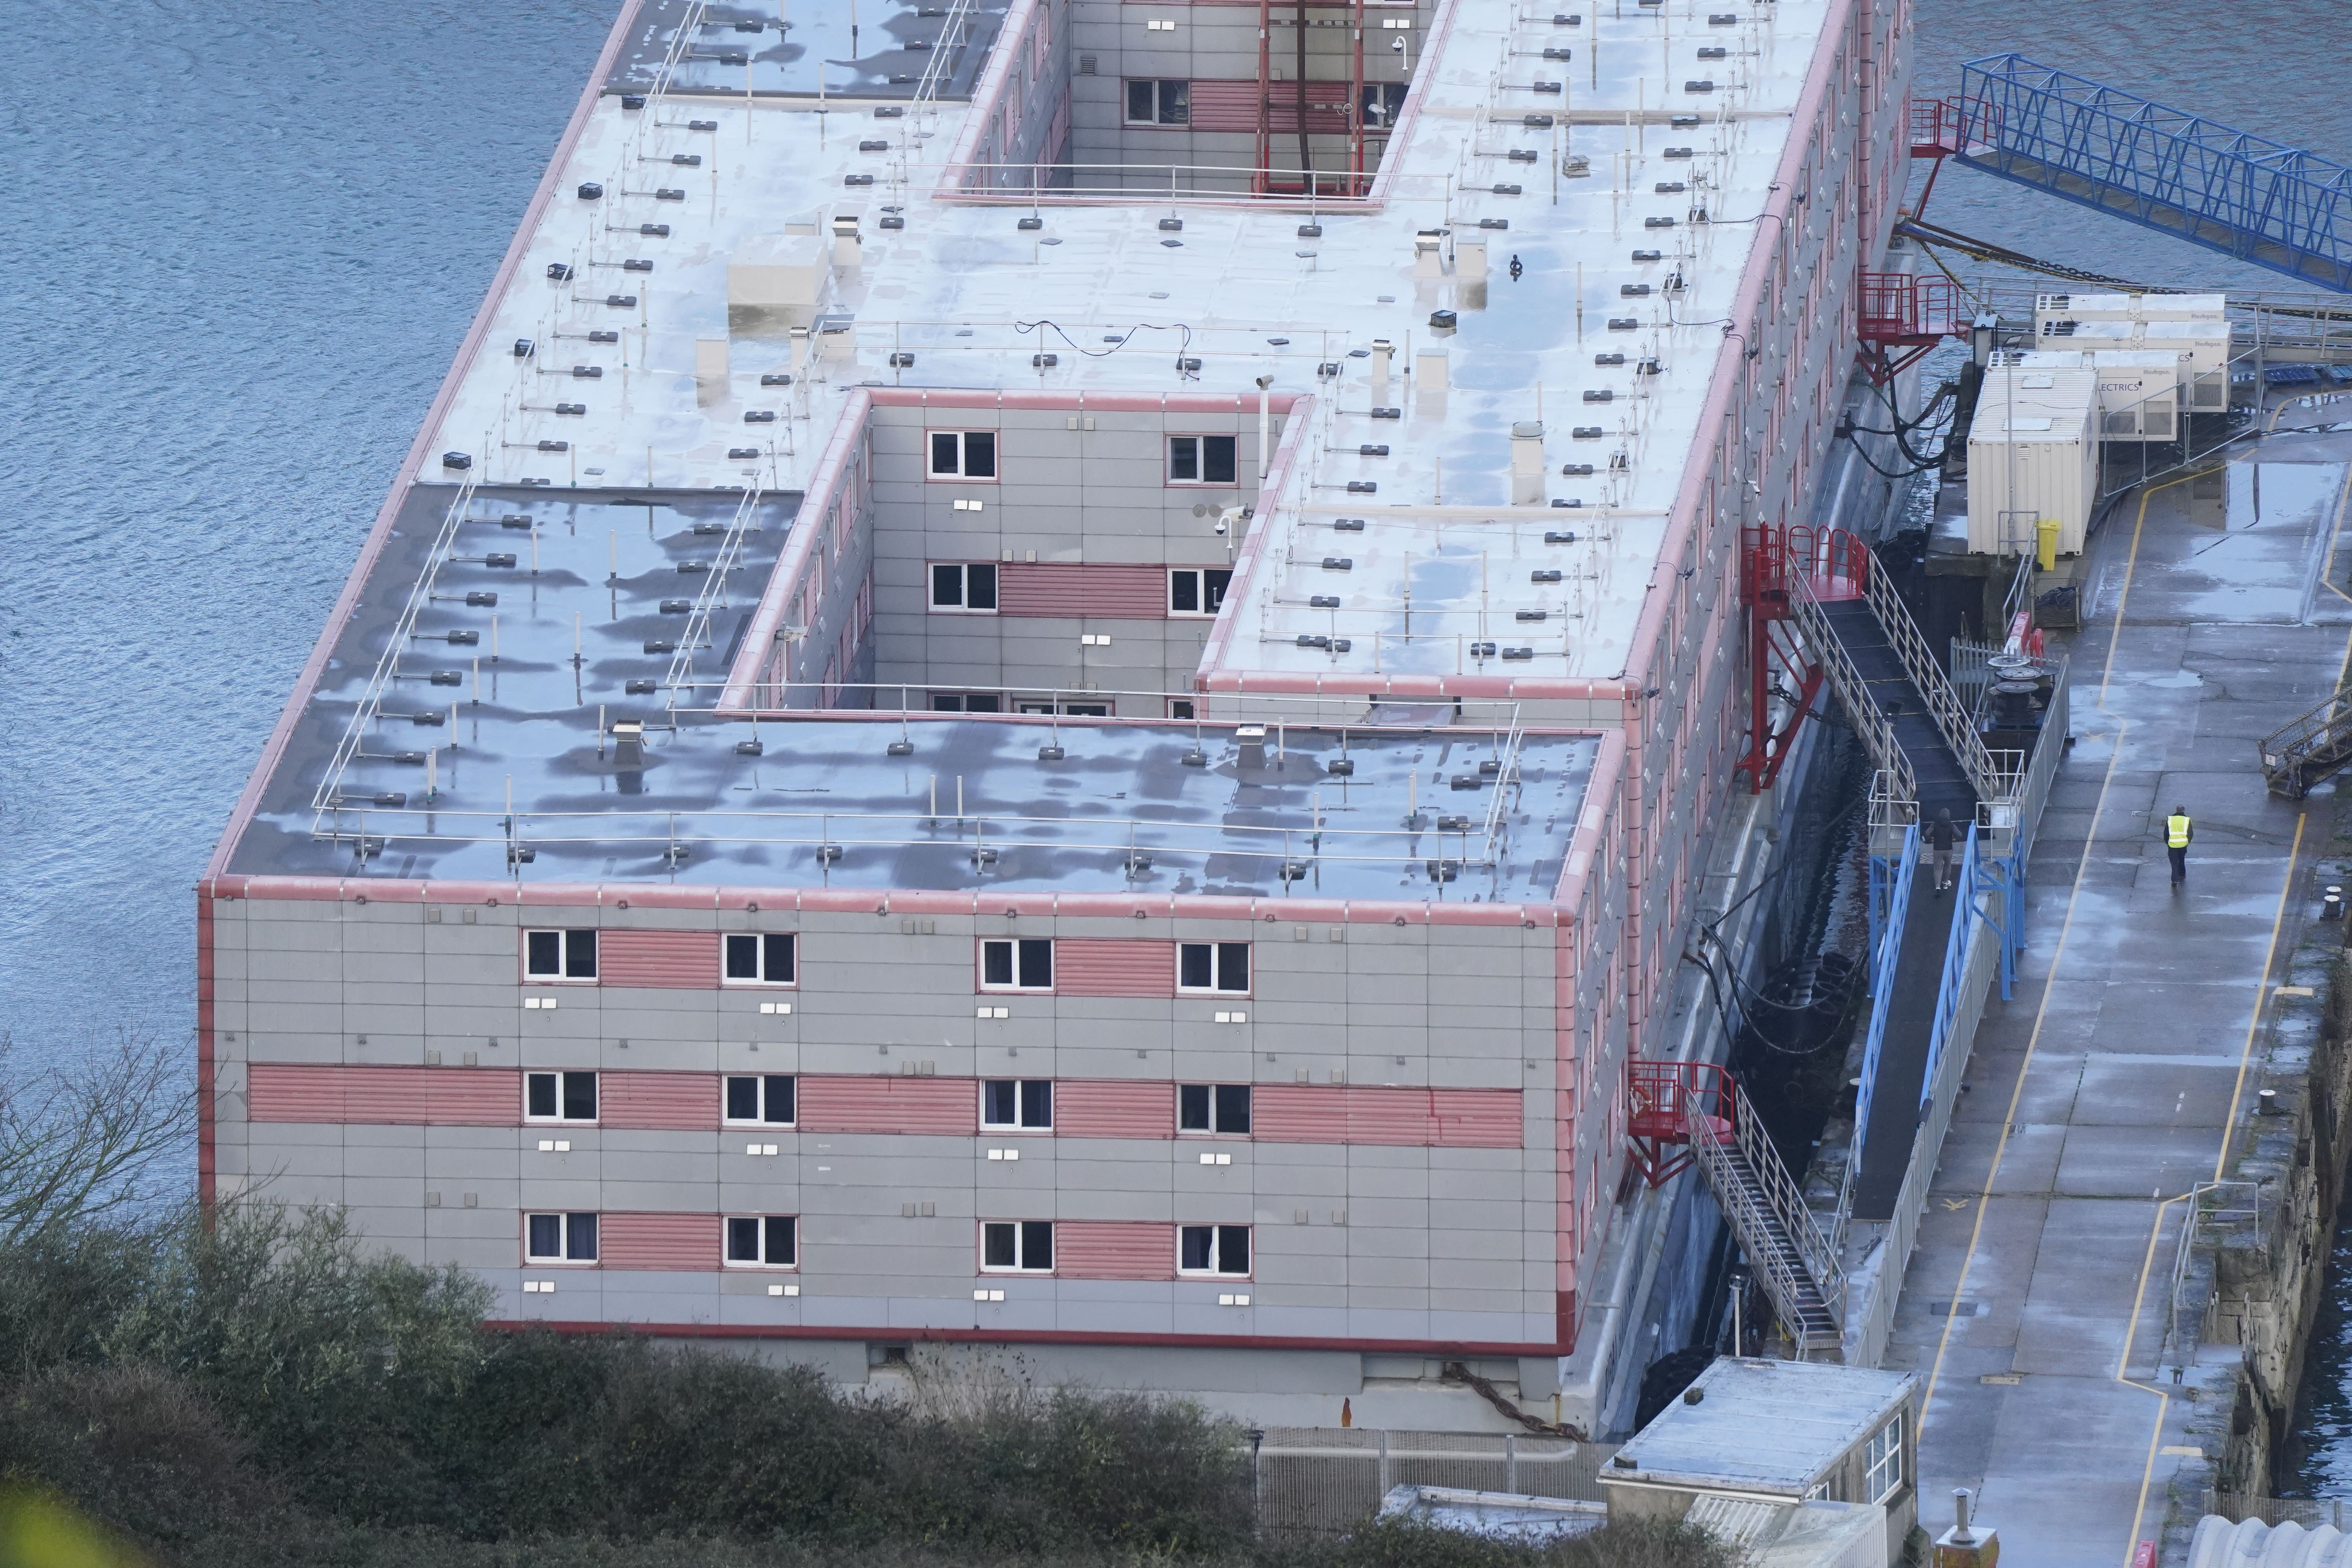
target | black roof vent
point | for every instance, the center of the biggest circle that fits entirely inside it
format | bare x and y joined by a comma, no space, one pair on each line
654,230
677,606
640,687
498,558
559,272
737,454
455,460
633,100
590,191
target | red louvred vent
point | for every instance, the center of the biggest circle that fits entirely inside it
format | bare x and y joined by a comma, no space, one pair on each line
1122,967
681,1241
1352,1113
946,1107
1231,106
664,960
1101,1107
1076,589
682,1101
396,1096
1113,1249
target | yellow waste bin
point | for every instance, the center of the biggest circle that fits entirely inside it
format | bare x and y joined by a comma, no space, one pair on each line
2047,531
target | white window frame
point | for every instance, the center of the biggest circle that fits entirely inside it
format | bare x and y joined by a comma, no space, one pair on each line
568,1226
1016,945
1024,1232
963,451
1158,87
1200,576
1200,461
964,570
571,943
1022,1099
762,954
1218,954
763,1096
1216,1110
1884,1454
1217,1237
558,1082
766,1237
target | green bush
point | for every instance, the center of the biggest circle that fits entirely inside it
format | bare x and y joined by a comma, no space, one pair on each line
261,1392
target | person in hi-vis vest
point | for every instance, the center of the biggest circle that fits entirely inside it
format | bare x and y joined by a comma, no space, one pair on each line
2178,832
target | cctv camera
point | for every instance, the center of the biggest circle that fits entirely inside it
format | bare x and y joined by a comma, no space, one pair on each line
1221,525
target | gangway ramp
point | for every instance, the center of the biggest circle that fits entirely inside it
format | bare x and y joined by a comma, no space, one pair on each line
2244,195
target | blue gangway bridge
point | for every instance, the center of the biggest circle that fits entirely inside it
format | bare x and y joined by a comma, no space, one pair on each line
2247,196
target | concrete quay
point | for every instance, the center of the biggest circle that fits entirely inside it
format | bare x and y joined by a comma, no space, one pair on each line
2122,1072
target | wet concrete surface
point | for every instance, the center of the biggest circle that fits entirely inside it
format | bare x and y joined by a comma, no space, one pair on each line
2103,1086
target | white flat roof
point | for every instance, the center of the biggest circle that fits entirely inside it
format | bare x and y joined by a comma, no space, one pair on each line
963,290
1772,1426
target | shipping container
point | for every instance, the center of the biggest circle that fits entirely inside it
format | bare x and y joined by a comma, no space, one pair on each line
2033,454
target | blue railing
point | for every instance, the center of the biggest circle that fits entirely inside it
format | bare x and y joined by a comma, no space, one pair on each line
2246,196
1965,921
1883,957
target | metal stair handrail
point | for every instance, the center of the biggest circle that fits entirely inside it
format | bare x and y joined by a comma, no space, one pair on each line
1753,1207
1944,703
1883,963
1870,721
2312,735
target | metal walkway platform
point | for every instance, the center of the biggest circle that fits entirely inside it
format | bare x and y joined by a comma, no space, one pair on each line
2243,195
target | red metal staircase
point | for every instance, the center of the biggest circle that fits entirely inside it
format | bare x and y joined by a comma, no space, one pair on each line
1681,1114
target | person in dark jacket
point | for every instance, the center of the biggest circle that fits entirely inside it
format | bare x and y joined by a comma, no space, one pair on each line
1943,835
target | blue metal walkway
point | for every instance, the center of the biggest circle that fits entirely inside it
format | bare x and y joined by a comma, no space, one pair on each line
2273,206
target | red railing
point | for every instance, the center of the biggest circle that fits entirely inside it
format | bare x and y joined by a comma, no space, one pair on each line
1897,307
1935,127
1662,1096
1834,564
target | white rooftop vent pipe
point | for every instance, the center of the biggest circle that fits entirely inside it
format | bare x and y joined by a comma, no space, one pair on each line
1383,350
1528,463
847,250
1428,261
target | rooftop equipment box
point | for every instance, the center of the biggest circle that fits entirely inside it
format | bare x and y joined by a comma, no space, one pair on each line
2033,454
2050,308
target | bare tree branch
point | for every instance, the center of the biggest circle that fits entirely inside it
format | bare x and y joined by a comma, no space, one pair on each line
85,1139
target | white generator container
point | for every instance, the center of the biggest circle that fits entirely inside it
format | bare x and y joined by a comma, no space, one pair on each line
2033,454
2206,344
2139,392
2052,308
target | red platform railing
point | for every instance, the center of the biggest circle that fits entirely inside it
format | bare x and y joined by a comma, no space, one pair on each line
1662,1098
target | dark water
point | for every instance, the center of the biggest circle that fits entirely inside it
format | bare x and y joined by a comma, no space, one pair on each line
244,241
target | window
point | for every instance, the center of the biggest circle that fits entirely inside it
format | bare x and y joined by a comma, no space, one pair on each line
1199,460
1383,101
1213,1249
1024,1246
1023,966
963,454
1885,1456
1213,1108
1016,1102
762,1240
1218,966
960,586
1180,708
1158,103
558,1096
967,702
771,1099
559,954
1197,590
560,1238
758,959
